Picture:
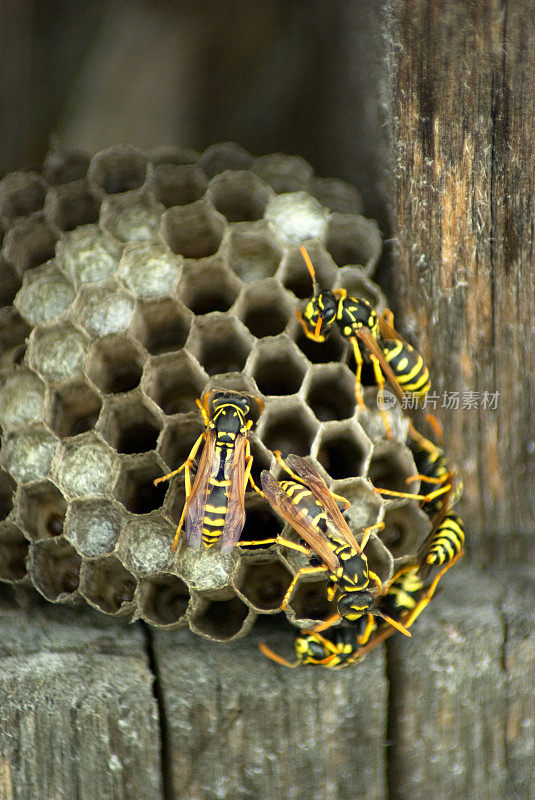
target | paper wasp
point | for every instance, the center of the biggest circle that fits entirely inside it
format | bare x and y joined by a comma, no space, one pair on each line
358,322
214,508
313,512
334,649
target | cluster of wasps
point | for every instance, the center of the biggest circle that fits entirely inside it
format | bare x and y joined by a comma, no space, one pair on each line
367,612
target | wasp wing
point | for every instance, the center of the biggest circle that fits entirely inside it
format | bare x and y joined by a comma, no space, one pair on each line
387,331
195,506
371,345
235,516
298,519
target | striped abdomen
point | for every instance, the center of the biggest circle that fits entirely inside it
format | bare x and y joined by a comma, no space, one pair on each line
403,593
448,540
216,507
408,366
305,500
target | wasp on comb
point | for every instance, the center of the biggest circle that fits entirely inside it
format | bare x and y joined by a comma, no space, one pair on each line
334,649
214,509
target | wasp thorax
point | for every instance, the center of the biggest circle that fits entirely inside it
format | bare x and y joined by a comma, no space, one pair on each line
353,605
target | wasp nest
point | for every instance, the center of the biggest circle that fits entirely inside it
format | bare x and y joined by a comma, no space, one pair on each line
131,282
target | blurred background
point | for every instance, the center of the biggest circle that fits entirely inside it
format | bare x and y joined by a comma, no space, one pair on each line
273,75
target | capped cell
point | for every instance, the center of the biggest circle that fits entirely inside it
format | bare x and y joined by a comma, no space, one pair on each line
22,395
131,217
115,364
45,294
28,452
89,254
144,545
73,408
104,309
178,185
149,270
85,466
162,326
296,217
118,169
54,566
71,205
58,351
93,525
193,231
163,600
41,509
108,586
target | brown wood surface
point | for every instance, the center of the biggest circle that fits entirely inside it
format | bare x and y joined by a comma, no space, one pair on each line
463,104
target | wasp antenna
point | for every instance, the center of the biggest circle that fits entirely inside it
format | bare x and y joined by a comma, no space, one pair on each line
395,624
310,268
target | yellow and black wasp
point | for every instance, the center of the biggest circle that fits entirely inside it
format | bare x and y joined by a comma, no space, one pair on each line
311,509
357,320
333,649
214,509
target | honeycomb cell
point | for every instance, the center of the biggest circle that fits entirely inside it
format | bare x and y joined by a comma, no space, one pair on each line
73,408
263,582
104,309
296,217
390,466
406,527
131,218
144,545
174,382
284,173
7,489
63,166
13,553
41,510
308,604
54,566
330,392
162,326
89,254
366,506
85,466
380,559
296,277
134,486
208,287
352,239
252,252
223,156
58,351
193,231
239,195
372,420
173,154
178,438
22,396
343,449
13,335
261,460
221,620
277,366
357,284
115,364
93,525
71,205
119,169
45,293
332,349
265,308
149,270
337,195
129,425
21,193
108,586
163,600
220,343
175,185
10,282
288,426
29,242
28,453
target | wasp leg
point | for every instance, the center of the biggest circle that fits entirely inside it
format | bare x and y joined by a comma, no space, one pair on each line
380,380
424,443
187,463
302,571
428,594
328,623
358,373
248,478
267,651
426,498
367,532
388,317
276,540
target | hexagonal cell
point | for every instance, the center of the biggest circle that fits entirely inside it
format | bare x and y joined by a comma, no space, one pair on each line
366,507
193,231
29,242
108,586
22,396
58,351
208,287
332,349
173,154
73,408
174,382
161,325
71,205
115,364
131,218
352,239
357,284
390,466
337,195
41,510
261,458
239,195
21,193
220,343
134,486
342,449
89,254
175,185
163,600
371,418
144,545
62,165
221,620
277,366
10,282
148,269
296,277
119,169
129,425
104,309
253,253
261,523
330,392
85,466
406,527
263,581
45,293
28,453
13,334
265,308
296,217
288,426
93,526
308,602
284,173
13,552
55,569
178,438
7,489
224,155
